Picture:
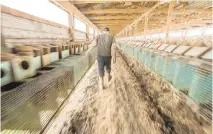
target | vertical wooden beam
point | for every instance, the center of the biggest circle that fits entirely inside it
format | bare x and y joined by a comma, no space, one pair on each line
87,32
132,30
71,20
71,25
187,27
135,28
169,18
146,23
140,17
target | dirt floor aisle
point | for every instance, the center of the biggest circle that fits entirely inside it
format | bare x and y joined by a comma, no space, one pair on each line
123,107
118,109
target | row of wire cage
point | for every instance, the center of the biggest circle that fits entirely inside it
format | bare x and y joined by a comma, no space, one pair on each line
194,81
30,107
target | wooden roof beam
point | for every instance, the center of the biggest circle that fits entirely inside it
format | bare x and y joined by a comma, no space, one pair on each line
111,22
124,17
140,18
169,18
123,21
107,25
113,11
98,1
127,17
110,17
142,10
85,2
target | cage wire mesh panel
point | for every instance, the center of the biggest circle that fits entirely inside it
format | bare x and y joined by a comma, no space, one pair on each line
153,61
169,69
183,76
29,108
140,56
159,67
194,81
136,52
201,90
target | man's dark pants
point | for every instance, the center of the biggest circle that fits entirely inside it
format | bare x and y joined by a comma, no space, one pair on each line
104,61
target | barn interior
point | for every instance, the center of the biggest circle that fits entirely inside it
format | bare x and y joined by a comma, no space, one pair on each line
161,79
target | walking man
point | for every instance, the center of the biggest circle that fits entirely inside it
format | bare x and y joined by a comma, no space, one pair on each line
104,43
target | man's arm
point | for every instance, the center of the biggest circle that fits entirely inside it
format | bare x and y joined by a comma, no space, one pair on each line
92,45
114,50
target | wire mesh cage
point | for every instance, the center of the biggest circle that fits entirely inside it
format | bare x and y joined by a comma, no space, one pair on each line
201,91
31,105
170,66
153,61
192,80
183,76
201,87
145,55
150,60
160,64
136,52
130,51
140,56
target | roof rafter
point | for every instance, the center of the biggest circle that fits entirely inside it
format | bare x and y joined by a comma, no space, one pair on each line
142,10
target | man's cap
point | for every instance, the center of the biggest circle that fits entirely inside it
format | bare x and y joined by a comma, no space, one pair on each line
106,29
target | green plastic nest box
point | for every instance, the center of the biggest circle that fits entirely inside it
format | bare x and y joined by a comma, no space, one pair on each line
45,59
65,53
54,56
6,73
23,67
76,50
37,62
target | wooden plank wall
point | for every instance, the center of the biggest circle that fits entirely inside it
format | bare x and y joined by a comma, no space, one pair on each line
21,28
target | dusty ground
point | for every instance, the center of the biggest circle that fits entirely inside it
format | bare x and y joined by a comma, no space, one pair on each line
128,105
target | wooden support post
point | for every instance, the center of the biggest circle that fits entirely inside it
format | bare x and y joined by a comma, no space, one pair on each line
187,27
71,20
87,32
132,31
139,18
169,19
146,24
135,28
71,25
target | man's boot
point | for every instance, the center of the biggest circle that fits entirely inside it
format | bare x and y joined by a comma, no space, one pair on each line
101,83
109,77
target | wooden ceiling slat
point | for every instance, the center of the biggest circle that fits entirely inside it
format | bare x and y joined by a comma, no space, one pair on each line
110,17
128,17
142,10
120,14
